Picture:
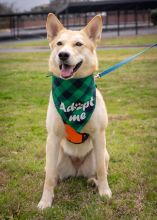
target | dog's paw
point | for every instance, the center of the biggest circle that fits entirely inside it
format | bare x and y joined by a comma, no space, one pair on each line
106,192
43,204
92,181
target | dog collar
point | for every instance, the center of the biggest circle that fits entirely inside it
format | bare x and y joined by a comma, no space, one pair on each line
74,99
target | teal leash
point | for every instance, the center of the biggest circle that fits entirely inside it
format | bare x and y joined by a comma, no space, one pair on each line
123,62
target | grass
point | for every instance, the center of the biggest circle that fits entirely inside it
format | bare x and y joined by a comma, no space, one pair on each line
130,40
131,99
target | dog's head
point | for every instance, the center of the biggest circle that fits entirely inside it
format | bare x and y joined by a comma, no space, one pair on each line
73,52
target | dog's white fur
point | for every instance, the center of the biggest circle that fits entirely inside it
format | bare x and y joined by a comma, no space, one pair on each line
61,154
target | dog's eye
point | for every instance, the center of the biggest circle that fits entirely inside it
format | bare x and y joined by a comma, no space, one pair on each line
79,44
59,43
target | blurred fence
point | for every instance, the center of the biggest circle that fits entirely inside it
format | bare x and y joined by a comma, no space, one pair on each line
24,25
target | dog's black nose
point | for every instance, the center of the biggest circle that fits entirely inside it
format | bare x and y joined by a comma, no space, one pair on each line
63,56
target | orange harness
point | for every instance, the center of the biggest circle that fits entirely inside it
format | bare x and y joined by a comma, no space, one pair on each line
75,137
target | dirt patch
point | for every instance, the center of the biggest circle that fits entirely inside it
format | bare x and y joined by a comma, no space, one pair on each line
119,117
3,180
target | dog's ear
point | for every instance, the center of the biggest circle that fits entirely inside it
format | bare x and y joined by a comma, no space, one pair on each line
53,26
94,28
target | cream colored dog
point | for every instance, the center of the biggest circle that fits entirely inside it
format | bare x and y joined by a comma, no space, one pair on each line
63,159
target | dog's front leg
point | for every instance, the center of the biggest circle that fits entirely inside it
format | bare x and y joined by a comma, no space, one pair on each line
99,143
52,152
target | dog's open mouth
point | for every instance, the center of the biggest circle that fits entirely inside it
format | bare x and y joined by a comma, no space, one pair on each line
67,71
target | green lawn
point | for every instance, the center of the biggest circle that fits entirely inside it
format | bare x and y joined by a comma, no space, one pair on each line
131,98
130,40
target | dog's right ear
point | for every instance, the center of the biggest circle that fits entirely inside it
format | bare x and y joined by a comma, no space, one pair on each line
53,26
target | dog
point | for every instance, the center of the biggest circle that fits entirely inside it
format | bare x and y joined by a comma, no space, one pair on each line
74,58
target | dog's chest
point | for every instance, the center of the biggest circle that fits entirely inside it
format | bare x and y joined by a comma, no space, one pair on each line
78,161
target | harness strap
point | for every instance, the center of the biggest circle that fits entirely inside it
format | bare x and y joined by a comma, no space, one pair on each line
75,137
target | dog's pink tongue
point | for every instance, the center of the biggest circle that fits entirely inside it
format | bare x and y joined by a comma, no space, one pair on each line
66,71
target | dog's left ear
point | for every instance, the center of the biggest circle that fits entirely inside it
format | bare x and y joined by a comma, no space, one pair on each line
94,28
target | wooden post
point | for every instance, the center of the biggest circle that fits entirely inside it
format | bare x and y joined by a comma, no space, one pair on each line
11,26
149,17
67,17
18,26
125,18
118,22
107,20
136,20
85,20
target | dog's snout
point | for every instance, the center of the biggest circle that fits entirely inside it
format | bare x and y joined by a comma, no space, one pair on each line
63,56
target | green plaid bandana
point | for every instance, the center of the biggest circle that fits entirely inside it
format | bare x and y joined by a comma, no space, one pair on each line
74,99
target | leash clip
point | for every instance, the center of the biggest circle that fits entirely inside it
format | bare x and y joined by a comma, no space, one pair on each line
97,76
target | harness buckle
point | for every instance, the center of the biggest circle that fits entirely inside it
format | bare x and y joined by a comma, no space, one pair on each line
74,137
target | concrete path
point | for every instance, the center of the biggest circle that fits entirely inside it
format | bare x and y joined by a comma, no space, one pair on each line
24,50
46,49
